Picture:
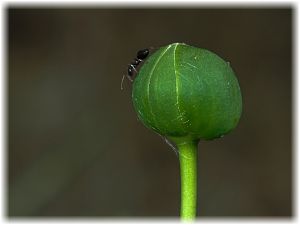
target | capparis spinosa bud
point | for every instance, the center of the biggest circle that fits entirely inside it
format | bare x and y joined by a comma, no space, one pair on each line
187,93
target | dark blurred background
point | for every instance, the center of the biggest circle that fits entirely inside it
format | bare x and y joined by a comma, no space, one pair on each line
76,147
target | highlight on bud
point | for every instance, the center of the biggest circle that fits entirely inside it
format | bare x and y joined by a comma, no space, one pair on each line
187,93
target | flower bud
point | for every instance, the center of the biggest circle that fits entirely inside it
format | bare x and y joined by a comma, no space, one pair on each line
187,93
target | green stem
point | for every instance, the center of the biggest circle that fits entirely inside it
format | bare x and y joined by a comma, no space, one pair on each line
188,171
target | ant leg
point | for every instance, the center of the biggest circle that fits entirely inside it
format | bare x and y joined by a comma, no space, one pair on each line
129,78
135,69
122,82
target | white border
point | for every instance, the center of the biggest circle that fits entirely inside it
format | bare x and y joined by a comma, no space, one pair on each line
3,115
150,3
153,3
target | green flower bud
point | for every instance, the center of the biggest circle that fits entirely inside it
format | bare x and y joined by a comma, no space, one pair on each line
186,94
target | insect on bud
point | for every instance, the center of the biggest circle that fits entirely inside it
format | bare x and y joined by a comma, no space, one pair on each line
187,93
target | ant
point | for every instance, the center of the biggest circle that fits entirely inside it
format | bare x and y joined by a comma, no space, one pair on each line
140,56
132,67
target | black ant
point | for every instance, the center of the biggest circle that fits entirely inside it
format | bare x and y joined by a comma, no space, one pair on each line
140,56
132,67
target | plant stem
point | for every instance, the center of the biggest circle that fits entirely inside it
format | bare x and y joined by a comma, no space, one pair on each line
188,173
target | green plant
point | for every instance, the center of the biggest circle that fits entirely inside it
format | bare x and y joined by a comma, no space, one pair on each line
187,94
